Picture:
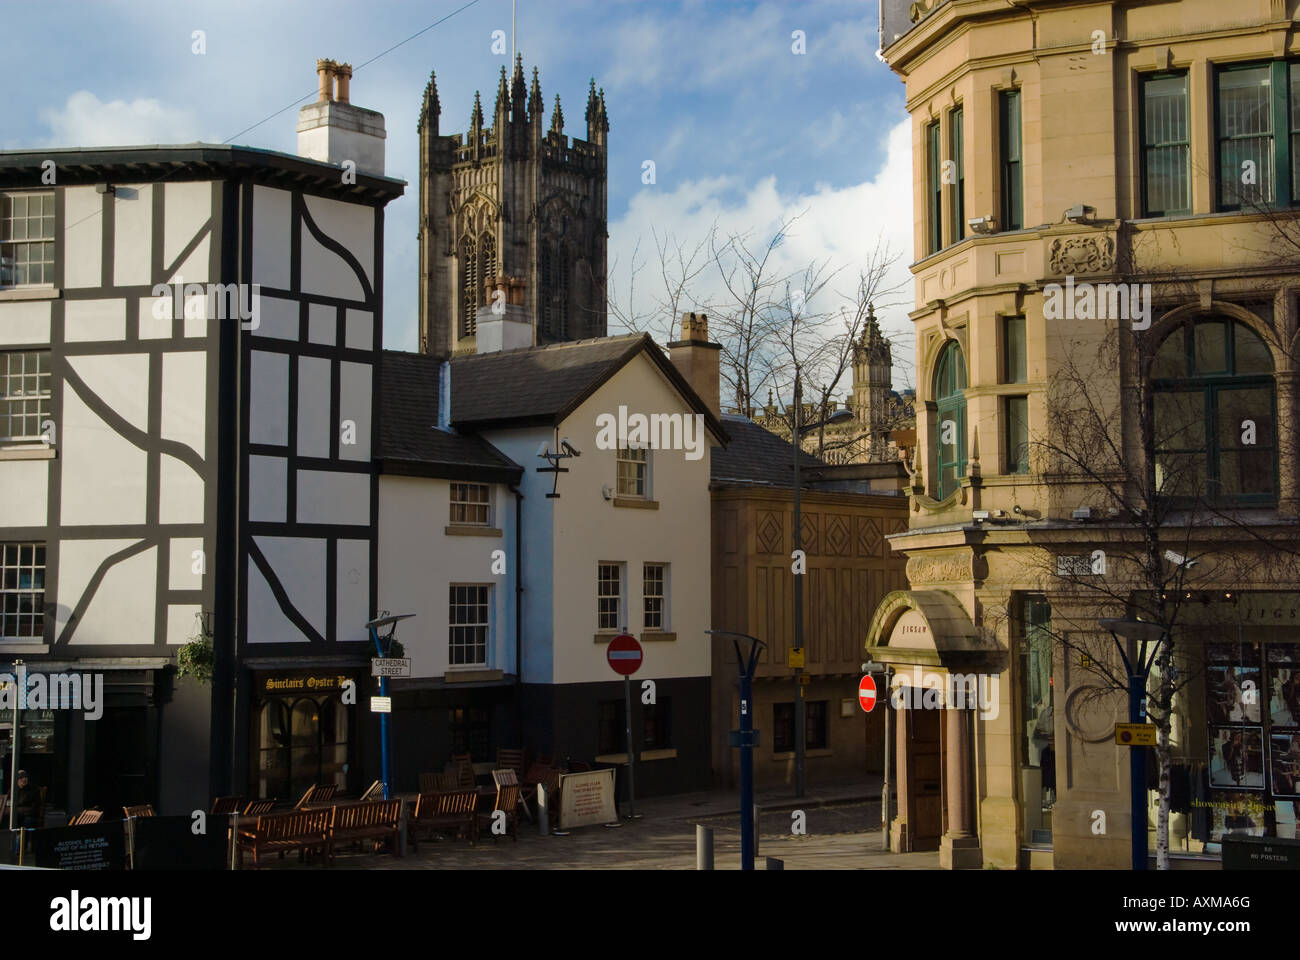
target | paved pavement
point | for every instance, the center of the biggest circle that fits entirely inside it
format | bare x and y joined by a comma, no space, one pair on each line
842,824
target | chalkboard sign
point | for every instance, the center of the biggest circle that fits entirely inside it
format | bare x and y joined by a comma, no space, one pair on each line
1260,853
169,843
95,846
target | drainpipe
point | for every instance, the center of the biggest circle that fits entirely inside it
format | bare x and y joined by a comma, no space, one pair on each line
519,599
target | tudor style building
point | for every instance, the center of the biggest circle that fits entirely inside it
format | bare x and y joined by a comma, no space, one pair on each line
170,468
511,198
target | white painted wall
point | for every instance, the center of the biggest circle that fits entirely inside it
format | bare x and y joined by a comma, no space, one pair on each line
418,561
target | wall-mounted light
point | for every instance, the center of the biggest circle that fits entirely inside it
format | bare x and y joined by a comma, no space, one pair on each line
981,224
1080,213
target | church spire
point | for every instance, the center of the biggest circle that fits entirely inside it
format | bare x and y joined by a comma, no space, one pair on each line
535,105
476,118
429,106
557,118
518,91
503,95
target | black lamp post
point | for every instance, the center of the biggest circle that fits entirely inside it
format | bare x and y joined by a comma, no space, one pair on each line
799,430
1140,633
746,739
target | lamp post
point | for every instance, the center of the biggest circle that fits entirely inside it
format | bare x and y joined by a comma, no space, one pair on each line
746,739
382,646
799,430
1139,633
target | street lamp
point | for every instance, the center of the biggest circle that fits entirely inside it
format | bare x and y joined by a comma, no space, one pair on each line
1141,633
746,739
383,644
799,430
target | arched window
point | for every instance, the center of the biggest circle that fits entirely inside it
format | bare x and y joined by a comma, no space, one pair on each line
468,287
948,432
487,259
1215,409
555,290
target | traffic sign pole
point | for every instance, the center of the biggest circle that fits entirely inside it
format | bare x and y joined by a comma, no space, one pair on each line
624,657
631,750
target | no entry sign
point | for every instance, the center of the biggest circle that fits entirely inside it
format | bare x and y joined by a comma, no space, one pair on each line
867,693
624,655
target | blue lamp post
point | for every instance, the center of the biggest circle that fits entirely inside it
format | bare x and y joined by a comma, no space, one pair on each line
383,644
746,738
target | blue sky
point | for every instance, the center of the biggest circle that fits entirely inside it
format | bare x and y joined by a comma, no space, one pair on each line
741,129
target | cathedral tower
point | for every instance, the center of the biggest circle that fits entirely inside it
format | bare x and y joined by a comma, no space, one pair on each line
510,202
872,383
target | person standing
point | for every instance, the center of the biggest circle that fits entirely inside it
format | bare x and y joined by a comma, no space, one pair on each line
27,801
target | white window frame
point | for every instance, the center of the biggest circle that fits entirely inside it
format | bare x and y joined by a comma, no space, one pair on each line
43,398
602,612
664,597
487,625
6,199
467,505
16,547
643,462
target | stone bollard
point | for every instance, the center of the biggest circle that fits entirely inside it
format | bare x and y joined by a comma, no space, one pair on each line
703,847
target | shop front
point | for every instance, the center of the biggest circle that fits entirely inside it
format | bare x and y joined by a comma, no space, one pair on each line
304,731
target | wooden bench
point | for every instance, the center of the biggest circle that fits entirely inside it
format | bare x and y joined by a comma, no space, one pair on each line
138,810
301,830
226,806
257,808
86,817
354,822
454,812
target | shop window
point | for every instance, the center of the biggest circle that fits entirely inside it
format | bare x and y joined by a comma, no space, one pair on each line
612,733
815,733
1037,718
657,724
300,743
948,431
1215,414
471,732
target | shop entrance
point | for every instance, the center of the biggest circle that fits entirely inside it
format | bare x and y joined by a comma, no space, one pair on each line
924,778
118,752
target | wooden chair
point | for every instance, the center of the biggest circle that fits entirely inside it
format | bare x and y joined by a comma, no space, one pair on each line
507,778
512,759
437,782
258,808
324,792
224,806
373,792
305,799
355,822
4,811
457,811
138,810
507,802
463,765
86,817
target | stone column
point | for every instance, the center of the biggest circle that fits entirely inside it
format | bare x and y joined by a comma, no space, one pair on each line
900,840
960,847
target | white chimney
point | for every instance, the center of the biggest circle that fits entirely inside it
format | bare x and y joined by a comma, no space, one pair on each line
333,130
503,322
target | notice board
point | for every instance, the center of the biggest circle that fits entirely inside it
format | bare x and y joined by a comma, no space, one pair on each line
587,798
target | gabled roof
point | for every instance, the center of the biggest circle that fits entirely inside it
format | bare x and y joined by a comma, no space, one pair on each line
543,385
756,455
410,442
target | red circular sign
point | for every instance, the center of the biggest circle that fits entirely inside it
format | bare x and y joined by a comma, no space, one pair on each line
867,693
624,655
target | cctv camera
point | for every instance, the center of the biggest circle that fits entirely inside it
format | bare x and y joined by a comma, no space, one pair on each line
543,450
1178,560
569,448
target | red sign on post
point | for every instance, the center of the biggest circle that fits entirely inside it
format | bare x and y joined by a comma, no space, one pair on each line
867,693
624,655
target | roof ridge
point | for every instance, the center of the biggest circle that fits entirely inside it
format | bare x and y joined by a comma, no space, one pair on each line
556,346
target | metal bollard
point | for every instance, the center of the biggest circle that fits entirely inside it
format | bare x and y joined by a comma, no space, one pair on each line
703,847
543,812
774,864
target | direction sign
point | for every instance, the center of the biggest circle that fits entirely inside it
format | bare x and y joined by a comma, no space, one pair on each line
390,666
624,655
1135,734
867,693
381,704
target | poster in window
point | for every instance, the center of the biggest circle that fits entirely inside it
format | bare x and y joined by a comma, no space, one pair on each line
1284,684
1241,814
1284,756
1233,684
1237,757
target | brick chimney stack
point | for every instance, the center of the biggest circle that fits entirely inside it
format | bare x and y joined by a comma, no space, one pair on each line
697,359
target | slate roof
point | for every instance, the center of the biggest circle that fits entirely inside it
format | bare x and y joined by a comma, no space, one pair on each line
756,455
546,384
409,439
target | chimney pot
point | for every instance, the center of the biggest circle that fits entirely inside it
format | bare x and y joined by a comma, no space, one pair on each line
695,326
342,76
325,74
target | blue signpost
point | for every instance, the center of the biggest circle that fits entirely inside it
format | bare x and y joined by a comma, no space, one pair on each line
382,646
746,738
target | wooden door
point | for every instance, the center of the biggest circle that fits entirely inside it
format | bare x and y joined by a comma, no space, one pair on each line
924,778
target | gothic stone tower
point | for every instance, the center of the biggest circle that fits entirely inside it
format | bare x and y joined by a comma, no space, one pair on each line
512,201
872,382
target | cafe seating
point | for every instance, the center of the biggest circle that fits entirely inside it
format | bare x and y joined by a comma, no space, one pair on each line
373,792
463,766
138,810
257,808
437,782
507,777
224,806
454,812
507,803
355,822
512,759
86,817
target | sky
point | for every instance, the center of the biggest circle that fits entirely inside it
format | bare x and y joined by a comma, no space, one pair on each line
743,130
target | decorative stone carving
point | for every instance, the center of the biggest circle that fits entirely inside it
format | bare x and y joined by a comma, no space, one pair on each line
1075,255
944,568
921,9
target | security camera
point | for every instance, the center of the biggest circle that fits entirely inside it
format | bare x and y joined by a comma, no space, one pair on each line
606,492
544,449
569,449
1178,560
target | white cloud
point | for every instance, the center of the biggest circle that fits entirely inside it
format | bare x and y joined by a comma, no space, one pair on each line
840,224
85,120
